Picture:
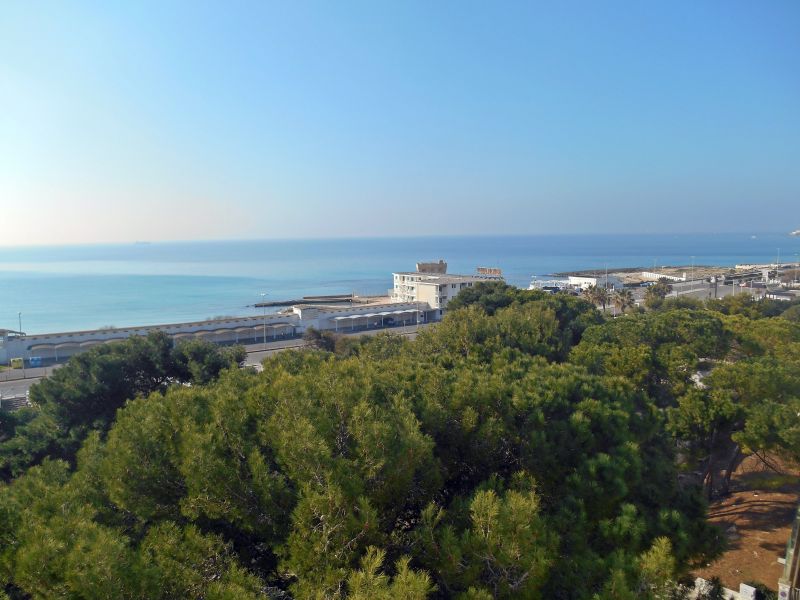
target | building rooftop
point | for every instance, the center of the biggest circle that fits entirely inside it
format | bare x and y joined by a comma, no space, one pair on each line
444,279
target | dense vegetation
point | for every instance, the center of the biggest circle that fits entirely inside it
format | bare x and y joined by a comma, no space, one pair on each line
523,448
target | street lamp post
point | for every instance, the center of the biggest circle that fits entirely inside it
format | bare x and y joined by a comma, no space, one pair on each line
796,267
264,306
691,284
19,316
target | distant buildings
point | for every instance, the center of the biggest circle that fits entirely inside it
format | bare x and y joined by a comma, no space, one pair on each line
7,336
785,296
431,284
653,276
584,282
417,297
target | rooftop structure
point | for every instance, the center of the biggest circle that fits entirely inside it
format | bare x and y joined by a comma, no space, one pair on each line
432,267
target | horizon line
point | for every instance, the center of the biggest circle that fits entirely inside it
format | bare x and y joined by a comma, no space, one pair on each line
382,237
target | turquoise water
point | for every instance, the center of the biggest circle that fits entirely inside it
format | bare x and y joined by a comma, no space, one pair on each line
83,287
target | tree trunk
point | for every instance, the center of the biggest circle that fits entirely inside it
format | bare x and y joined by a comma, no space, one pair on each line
708,476
733,463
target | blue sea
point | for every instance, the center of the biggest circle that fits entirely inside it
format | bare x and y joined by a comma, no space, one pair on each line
84,287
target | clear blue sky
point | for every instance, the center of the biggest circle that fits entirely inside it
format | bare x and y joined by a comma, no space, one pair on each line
166,120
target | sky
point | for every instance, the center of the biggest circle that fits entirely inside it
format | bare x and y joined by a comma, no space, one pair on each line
145,121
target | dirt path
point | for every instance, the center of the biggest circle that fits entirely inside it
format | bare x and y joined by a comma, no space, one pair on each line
757,518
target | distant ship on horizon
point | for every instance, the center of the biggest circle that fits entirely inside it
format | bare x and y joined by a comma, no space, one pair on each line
795,232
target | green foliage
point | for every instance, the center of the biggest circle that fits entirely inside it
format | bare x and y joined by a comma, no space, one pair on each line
520,441
490,296
136,465
185,563
792,313
655,294
369,584
623,300
539,324
201,361
597,295
85,394
748,306
506,550
34,434
657,570
682,302
320,339
659,351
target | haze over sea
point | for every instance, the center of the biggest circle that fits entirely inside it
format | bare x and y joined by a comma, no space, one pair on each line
84,287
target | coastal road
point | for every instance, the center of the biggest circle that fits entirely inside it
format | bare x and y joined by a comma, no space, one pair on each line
256,352
29,373
703,290
700,290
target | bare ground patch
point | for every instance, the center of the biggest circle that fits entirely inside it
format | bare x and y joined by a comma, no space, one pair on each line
757,518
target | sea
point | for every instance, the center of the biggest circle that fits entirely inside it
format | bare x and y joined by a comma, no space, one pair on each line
66,288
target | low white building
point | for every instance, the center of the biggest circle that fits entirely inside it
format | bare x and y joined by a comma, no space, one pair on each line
582,282
653,276
8,338
785,296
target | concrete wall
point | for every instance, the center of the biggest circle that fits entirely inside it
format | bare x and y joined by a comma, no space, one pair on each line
429,294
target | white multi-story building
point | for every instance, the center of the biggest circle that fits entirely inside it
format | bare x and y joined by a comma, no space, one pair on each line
436,289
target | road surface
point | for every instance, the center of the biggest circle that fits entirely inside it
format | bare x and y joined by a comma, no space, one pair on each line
15,389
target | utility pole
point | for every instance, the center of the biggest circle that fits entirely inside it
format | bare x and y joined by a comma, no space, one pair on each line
19,316
789,584
264,306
